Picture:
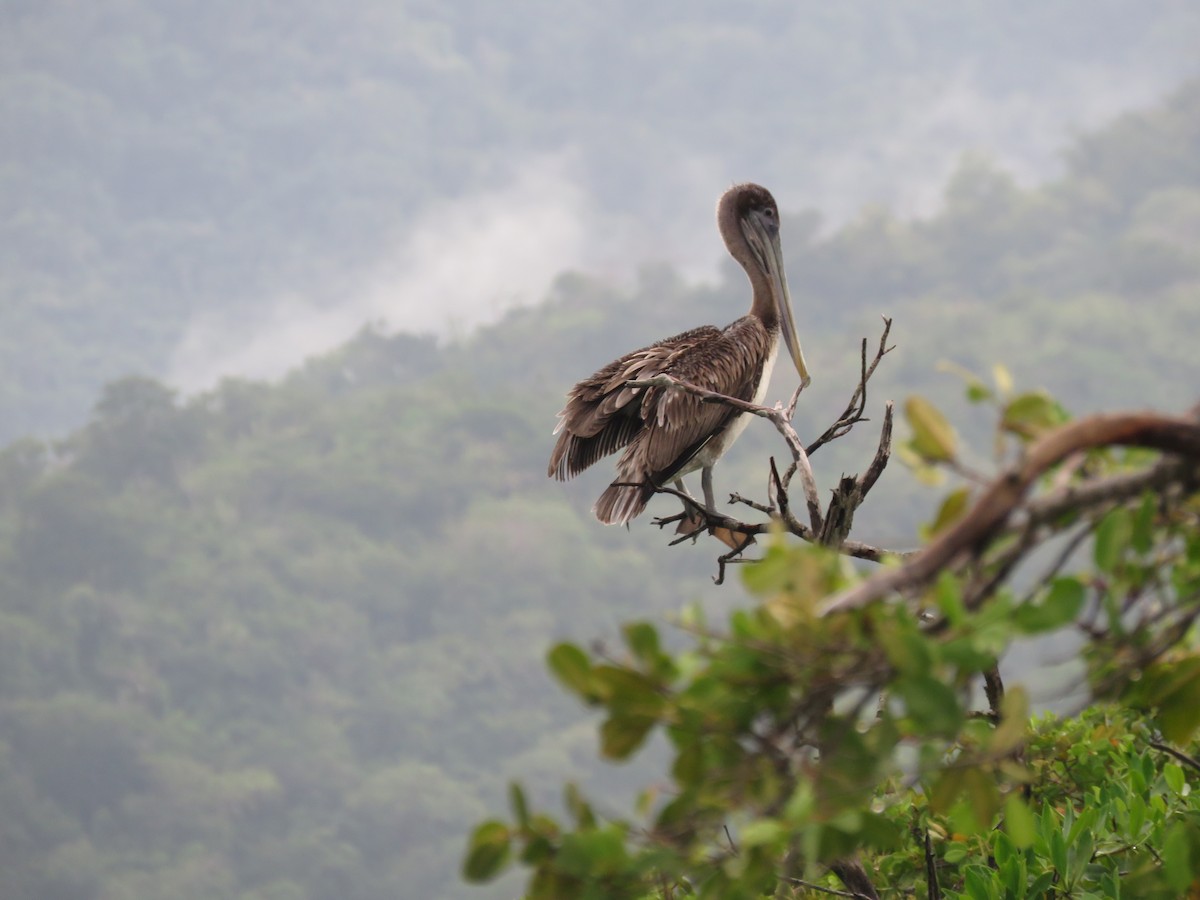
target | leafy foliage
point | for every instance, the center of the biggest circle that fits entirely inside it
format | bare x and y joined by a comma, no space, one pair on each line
807,735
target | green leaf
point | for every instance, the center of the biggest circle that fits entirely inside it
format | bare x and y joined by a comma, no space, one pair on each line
1057,607
1014,720
933,438
586,854
1019,823
1113,535
1173,774
578,807
689,763
983,794
907,650
1174,687
487,852
571,666
951,510
763,831
979,883
642,639
520,808
1137,815
621,735
1177,860
626,690
932,705
1142,535
1030,415
948,594
1058,853
978,392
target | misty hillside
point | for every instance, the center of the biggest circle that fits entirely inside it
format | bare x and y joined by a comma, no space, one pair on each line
191,190
286,641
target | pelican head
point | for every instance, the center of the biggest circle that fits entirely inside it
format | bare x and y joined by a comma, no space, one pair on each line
749,221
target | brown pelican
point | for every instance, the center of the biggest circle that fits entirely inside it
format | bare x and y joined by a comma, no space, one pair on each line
666,433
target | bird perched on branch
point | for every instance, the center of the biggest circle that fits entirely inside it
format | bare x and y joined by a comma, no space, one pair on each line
667,433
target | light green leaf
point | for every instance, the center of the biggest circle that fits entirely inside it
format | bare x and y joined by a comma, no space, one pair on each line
933,437
1059,606
1003,379
571,666
951,510
1032,414
764,831
1014,718
1173,774
1019,823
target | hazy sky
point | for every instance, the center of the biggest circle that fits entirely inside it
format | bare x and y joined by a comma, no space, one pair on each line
231,187
481,254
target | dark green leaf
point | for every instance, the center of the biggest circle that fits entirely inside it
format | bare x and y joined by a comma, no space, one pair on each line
621,735
931,704
1142,536
516,799
642,639
1113,535
487,852
592,852
578,807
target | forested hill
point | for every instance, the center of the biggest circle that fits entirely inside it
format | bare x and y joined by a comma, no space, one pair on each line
163,163
285,641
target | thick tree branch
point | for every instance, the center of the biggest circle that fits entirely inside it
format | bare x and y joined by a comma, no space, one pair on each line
1171,434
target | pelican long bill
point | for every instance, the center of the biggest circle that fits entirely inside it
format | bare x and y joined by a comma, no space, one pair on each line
764,239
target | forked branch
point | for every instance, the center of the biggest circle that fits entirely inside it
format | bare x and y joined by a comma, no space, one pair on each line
830,527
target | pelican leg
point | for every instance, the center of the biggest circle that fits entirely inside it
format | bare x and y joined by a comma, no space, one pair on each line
692,519
710,501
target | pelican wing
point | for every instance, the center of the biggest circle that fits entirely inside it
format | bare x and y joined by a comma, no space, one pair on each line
603,414
678,425
662,429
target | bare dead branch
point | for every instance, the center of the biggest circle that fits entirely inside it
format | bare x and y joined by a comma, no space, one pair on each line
853,413
831,528
933,890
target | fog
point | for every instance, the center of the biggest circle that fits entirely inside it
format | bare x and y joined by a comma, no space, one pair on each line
466,260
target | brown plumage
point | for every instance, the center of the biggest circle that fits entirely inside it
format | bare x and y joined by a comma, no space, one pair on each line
667,434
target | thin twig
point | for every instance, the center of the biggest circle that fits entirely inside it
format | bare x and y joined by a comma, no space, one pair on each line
853,413
1178,754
